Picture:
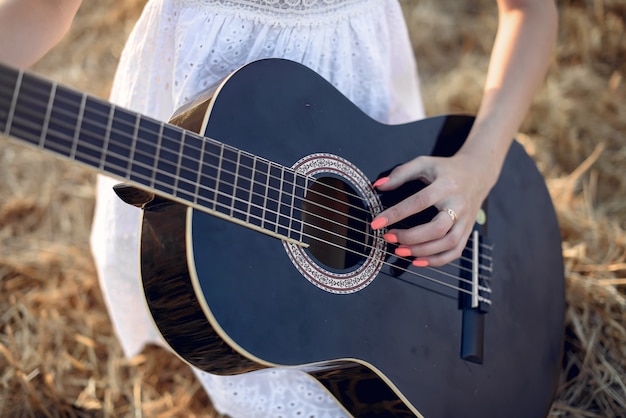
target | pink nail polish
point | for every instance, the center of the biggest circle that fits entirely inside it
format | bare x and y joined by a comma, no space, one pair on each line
403,252
380,181
379,223
391,238
420,262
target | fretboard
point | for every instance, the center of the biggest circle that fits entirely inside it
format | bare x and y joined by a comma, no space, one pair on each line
168,160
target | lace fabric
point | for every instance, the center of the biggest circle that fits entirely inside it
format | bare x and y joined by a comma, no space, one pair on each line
283,12
180,48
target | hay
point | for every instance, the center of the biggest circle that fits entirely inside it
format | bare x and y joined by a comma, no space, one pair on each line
58,354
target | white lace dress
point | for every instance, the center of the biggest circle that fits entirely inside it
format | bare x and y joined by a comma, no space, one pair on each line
180,48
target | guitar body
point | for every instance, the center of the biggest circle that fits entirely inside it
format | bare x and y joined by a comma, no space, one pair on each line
229,299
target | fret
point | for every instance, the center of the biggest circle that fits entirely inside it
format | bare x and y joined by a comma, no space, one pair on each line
106,144
157,155
90,148
167,162
251,188
217,176
79,119
190,155
133,147
30,109
236,165
142,165
46,120
285,202
270,214
13,105
116,143
243,185
176,175
196,193
62,124
260,184
209,174
226,180
301,185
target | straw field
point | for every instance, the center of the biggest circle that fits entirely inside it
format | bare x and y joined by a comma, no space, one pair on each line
58,354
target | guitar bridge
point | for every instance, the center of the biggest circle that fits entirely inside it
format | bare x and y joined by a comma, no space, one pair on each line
476,299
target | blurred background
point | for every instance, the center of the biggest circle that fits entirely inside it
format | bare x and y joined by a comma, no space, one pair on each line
58,355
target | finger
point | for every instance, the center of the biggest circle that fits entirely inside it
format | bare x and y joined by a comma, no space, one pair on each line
427,249
418,168
437,259
440,259
413,204
439,227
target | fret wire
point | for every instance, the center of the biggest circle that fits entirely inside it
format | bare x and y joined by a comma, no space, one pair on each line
293,200
157,154
218,175
266,194
279,198
79,122
304,189
107,137
181,143
18,86
249,206
133,144
199,174
46,121
235,180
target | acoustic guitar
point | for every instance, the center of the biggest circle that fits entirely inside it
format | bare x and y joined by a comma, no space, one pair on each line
256,249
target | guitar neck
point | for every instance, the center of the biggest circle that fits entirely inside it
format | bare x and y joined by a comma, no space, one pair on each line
168,160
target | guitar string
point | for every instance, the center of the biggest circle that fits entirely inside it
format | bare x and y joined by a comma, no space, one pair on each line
235,186
437,270
426,277
198,137
314,225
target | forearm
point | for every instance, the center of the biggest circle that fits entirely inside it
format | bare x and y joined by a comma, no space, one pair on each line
519,61
30,28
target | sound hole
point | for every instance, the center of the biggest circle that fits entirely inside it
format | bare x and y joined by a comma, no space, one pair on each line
336,224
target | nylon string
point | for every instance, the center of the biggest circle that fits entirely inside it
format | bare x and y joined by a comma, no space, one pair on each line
136,128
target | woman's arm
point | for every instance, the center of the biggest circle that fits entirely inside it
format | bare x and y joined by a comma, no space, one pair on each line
519,60
30,28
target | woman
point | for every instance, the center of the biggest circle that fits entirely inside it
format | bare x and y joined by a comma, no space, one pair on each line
181,47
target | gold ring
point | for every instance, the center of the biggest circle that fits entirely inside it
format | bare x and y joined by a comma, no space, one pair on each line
452,214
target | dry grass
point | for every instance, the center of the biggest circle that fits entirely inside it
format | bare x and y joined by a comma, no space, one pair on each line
58,355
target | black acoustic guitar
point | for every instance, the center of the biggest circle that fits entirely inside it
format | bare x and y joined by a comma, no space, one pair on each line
256,250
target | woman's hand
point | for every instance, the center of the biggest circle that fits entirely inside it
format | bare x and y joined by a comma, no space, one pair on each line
457,186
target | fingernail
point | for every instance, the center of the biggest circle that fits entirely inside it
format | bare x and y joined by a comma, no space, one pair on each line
403,252
379,222
391,238
380,181
420,262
